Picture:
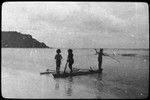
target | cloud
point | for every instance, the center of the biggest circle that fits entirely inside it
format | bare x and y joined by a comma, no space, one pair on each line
77,23
94,19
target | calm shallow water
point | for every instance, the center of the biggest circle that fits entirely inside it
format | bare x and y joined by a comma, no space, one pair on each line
127,79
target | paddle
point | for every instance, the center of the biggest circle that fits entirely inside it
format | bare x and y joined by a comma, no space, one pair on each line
65,67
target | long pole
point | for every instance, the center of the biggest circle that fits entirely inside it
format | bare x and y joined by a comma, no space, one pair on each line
65,67
114,58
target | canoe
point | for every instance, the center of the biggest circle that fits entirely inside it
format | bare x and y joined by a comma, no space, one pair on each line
74,73
48,71
63,75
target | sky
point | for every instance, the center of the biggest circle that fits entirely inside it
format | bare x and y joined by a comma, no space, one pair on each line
80,24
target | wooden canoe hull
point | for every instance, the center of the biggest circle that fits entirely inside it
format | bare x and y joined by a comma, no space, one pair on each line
63,75
47,72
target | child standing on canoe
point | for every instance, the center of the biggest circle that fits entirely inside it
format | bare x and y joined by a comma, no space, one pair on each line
70,59
100,54
58,58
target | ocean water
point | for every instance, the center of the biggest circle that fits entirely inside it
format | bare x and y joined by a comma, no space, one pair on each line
128,78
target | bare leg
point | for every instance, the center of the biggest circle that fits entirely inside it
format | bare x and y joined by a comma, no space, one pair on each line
100,65
57,68
70,66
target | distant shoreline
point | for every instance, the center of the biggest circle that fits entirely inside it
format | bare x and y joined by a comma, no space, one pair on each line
14,39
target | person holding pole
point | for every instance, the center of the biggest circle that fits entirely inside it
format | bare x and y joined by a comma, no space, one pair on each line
70,59
100,54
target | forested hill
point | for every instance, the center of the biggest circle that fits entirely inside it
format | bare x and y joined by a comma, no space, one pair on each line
13,39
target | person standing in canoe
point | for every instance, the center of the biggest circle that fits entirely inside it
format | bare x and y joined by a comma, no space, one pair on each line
100,54
70,59
58,58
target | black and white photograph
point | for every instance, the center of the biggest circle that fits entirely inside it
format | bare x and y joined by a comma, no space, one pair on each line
74,50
